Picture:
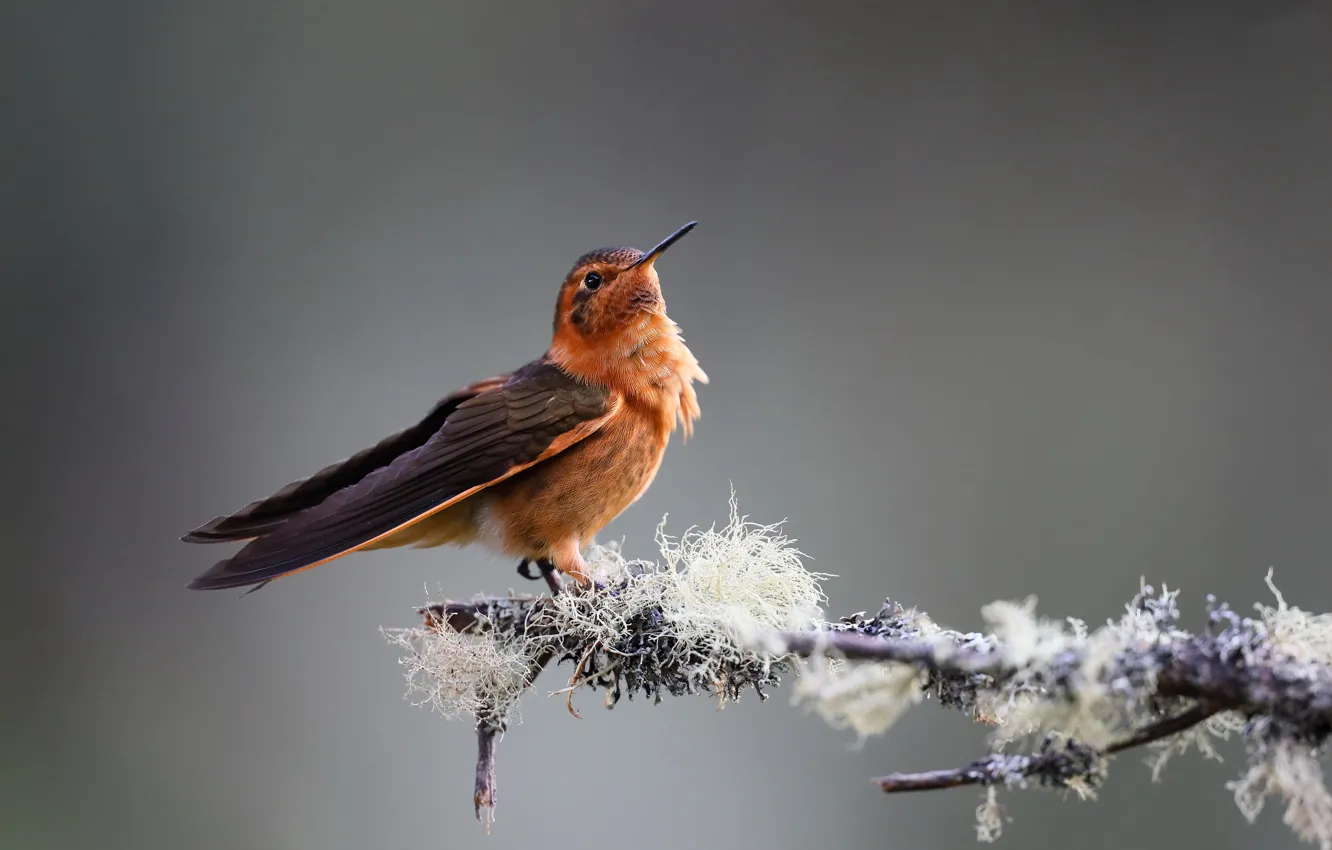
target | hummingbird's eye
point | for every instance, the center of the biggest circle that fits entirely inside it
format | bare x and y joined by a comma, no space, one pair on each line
592,281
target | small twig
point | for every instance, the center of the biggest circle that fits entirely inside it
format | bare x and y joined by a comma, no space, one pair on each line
1060,767
1163,729
574,681
975,773
484,796
1050,766
478,617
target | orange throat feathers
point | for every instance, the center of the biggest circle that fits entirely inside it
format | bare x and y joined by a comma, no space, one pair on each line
645,359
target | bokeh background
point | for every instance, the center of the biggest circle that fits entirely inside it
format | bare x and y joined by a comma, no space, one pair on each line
997,299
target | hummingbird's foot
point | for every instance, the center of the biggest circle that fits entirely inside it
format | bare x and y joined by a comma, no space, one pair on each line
588,586
546,571
552,578
525,570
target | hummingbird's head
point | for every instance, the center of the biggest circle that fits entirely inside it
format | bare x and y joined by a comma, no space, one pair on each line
611,293
611,325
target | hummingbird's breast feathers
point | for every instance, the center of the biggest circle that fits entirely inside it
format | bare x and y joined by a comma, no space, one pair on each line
646,360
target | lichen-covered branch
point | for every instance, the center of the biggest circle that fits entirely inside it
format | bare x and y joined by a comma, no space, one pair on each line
1239,664
1084,695
1065,765
735,610
1058,764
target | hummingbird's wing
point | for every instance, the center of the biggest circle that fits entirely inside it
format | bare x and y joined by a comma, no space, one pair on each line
264,515
538,412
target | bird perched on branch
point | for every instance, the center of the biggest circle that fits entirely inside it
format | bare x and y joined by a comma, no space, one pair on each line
530,464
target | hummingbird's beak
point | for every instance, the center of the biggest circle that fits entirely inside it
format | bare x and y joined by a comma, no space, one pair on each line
651,256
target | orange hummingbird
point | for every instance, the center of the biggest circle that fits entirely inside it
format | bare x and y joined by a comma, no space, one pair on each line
530,464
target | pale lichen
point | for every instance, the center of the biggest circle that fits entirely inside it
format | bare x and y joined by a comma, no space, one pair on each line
1203,738
693,617
684,625
989,817
461,675
1291,771
866,698
1303,636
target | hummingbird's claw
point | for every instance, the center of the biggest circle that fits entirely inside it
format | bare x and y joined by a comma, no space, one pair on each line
525,570
591,586
545,570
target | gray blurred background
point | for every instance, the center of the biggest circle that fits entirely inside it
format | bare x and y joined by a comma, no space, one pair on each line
997,299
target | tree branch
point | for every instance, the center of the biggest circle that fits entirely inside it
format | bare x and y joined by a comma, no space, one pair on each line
1082,696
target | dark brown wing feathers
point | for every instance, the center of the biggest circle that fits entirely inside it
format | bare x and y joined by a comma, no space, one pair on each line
486,437
264,515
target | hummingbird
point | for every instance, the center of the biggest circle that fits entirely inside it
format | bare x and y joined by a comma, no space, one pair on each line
529,464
